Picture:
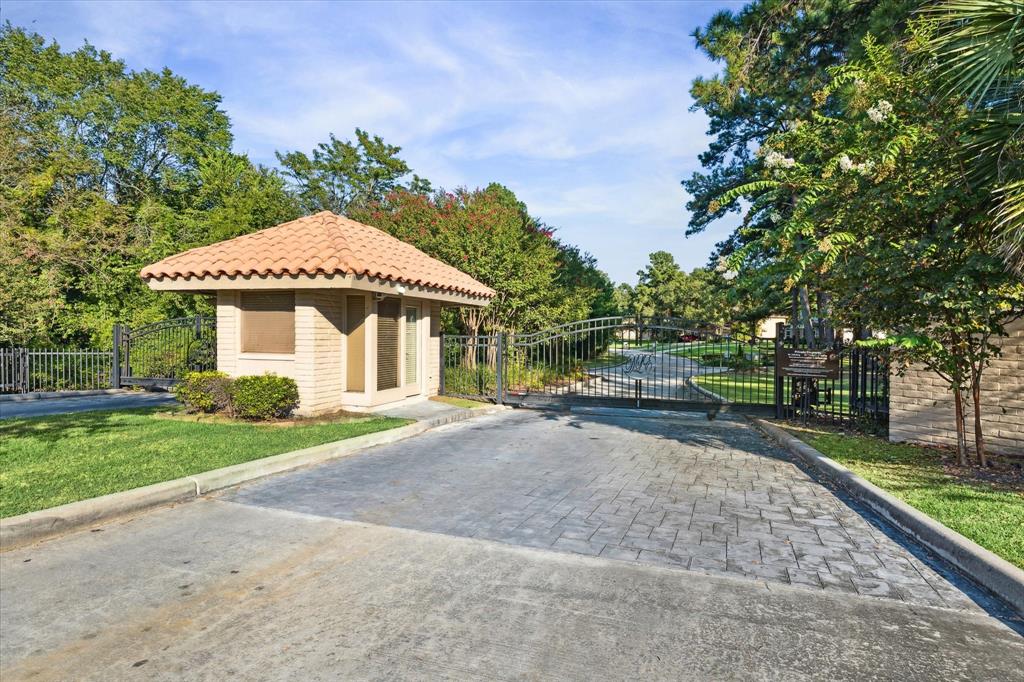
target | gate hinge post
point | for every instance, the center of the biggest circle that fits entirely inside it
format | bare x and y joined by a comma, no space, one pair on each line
440,365
499,367
115,369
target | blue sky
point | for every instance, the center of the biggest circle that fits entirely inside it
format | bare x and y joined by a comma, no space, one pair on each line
581,109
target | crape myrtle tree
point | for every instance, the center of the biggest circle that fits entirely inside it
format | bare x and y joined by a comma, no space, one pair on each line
489,234
774,56
881,210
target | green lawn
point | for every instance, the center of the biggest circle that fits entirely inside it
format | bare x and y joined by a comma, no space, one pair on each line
48,461
748,386
695,350
989,514
757,386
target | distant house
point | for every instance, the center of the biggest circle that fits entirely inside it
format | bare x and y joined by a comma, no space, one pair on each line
349,312
766,327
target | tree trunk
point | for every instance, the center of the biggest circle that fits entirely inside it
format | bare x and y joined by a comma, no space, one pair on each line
961,436
805,309
979,438
828,332
795,318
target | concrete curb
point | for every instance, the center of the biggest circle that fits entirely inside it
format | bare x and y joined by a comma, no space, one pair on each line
992,572
17,531
49,395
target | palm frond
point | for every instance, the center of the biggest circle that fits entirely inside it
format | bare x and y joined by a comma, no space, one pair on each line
1009,218
980,44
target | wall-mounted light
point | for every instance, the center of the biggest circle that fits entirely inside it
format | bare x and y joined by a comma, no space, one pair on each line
400,289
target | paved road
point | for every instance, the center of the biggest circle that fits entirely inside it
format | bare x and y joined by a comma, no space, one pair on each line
110,401
663,375
284,579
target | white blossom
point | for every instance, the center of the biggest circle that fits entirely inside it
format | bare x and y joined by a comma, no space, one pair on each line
722,264
847,165
776,160
880,111
729,274
775,217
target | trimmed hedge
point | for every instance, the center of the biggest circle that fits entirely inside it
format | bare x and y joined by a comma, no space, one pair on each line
250,397
205,392
264,397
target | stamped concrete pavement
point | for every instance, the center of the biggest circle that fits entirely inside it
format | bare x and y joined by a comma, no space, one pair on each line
678,491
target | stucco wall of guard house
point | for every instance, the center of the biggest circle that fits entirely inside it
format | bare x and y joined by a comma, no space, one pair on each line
921,407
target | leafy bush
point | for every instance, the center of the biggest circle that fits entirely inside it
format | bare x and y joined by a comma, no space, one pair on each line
741,362
205,391
264,397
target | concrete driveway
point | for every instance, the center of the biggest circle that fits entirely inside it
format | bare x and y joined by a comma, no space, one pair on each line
521,545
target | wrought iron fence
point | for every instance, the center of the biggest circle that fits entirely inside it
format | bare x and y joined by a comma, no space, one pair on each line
155,354
663,362
162,352
857,395
26,370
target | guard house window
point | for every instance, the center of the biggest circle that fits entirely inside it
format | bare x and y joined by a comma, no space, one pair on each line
268,322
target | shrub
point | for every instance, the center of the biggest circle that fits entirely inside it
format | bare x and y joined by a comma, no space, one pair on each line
264,397
205,391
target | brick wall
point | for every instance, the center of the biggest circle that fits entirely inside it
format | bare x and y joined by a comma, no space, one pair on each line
921,407
318,350
227,357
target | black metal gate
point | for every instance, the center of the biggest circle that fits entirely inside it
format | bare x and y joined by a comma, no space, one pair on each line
615,361
159,354
658,363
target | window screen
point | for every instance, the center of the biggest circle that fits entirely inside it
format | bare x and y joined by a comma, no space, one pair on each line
388,312
268,322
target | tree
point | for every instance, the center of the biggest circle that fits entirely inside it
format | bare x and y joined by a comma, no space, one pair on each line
775,55
489,235
341,175
623,300
103,170
979,46
586,291
880,214
664,290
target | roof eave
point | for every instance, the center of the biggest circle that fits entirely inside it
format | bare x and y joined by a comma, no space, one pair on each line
209,284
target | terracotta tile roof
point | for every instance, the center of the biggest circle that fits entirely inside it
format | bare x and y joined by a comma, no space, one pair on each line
324,243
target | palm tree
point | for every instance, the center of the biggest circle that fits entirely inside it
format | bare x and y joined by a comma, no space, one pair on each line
979,45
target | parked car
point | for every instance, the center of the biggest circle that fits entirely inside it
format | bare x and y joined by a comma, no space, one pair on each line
688,338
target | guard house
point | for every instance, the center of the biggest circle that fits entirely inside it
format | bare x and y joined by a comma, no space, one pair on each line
349,312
